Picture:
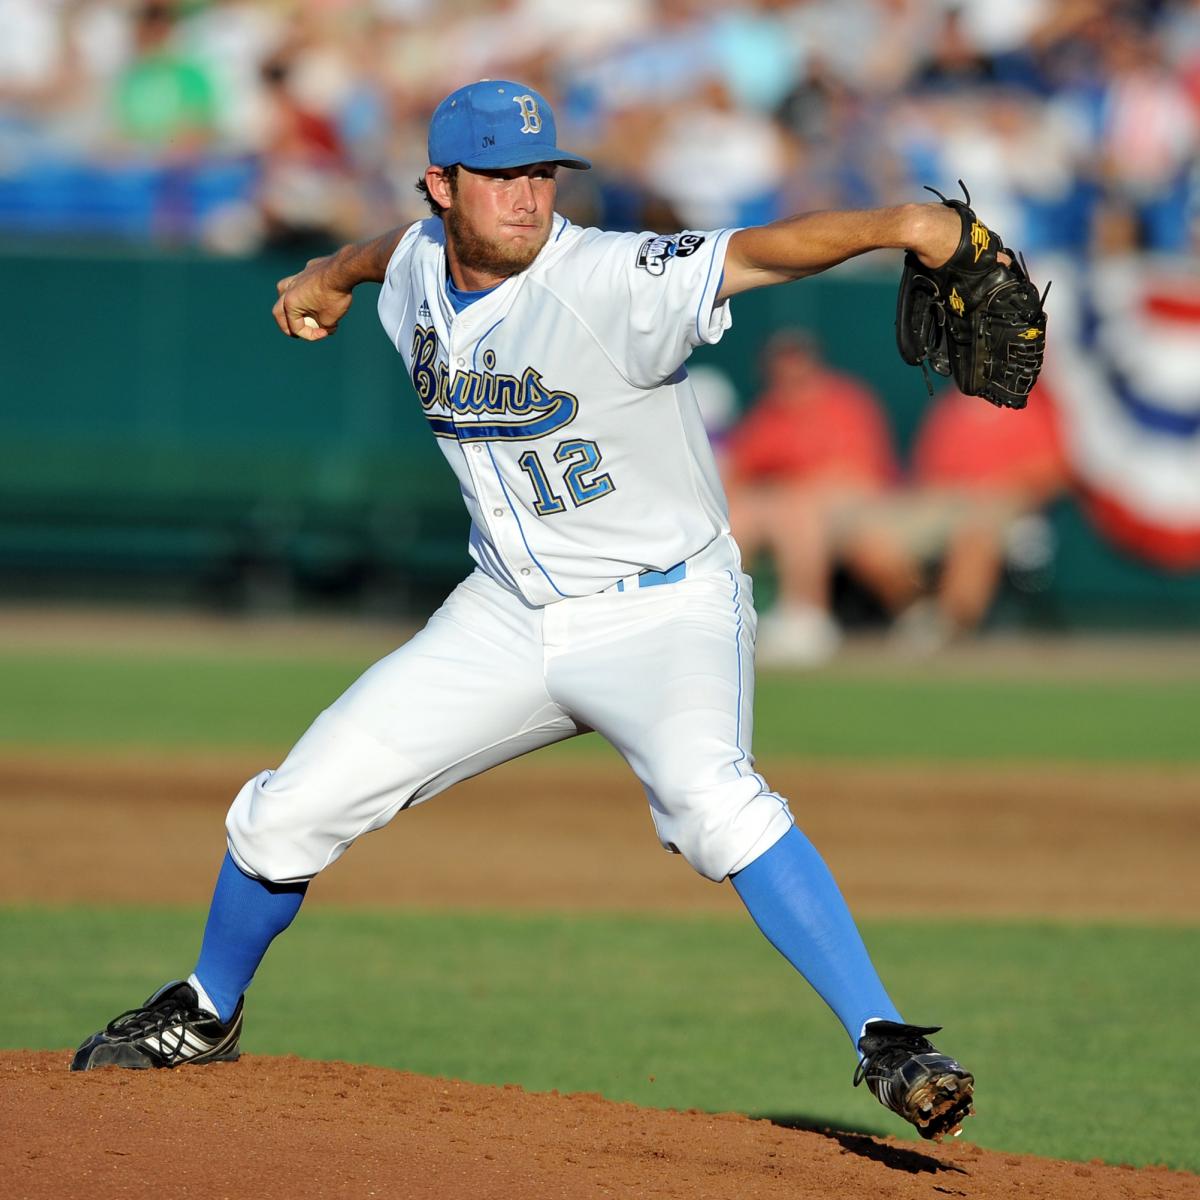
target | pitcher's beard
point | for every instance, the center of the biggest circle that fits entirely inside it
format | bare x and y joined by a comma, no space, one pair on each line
492,257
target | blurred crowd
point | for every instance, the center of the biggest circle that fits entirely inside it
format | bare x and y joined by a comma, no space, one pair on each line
241,123
816,486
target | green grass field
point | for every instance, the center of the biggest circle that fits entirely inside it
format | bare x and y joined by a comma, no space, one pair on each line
1081,1036
229,700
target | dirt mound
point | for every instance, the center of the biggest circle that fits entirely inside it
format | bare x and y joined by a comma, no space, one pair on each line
286,1127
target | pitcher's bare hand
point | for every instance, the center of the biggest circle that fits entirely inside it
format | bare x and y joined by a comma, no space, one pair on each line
313,301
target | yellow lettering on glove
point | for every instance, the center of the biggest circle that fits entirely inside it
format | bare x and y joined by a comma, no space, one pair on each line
980,238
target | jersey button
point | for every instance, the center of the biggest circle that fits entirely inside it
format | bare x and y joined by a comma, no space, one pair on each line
462,362
497,512
524,570
477,448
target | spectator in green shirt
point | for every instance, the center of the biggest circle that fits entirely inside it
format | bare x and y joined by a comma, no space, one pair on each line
164,102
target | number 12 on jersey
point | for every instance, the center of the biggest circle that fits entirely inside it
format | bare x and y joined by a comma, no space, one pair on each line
580,480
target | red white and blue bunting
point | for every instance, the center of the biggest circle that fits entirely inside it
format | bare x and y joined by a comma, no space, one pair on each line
1123,367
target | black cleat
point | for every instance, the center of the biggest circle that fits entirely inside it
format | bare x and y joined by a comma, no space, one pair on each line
906,1074
170,1029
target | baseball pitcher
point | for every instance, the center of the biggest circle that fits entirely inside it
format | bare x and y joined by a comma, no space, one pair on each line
607,594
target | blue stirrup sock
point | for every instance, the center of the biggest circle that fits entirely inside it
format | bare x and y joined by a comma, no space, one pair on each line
245,917
794,900
789,891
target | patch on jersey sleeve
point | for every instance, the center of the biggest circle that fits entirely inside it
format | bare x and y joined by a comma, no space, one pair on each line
654,253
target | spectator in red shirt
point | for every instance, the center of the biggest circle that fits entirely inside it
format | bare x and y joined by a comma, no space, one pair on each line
804,471
306,193
975,470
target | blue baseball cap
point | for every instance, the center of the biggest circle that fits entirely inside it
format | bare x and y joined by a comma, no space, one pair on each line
496,123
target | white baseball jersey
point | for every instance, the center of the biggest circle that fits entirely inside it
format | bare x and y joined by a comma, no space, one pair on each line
562,404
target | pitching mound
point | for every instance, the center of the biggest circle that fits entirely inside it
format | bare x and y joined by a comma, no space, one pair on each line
287,1128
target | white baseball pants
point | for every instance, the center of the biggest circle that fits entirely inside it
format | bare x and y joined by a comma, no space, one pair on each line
665,673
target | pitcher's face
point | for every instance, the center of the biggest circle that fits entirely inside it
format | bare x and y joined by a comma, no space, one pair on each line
498,220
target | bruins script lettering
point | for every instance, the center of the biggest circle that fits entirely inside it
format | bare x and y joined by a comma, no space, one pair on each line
523,407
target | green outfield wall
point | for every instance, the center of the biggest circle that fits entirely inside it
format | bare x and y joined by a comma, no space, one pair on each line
158,436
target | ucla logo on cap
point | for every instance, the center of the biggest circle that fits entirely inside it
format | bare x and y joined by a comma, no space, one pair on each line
529,110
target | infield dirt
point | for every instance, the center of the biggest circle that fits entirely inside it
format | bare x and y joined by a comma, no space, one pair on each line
1094,843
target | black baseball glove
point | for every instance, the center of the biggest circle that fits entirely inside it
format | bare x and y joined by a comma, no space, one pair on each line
973,317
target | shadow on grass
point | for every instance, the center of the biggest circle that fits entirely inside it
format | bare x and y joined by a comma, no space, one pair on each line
864,1144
